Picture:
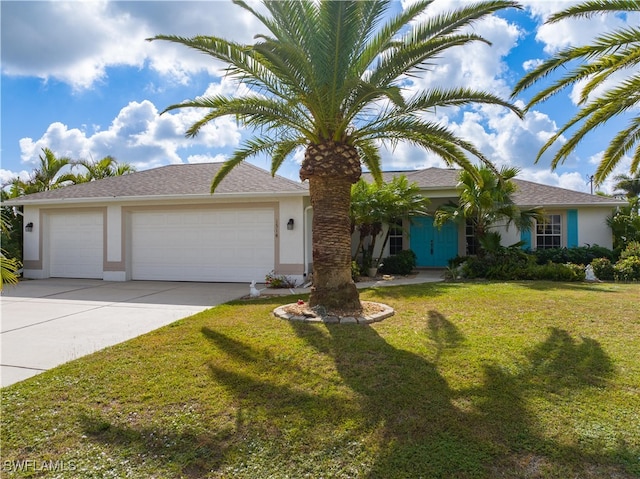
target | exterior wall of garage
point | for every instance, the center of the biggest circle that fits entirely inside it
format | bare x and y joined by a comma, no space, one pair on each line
288,243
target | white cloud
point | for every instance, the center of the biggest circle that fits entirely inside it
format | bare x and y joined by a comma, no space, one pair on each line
531,64
137,135
219,158
476,65
75,42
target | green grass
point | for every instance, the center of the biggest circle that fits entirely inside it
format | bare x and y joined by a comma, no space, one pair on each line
478,380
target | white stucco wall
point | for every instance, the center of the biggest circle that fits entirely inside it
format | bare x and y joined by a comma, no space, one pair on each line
291,241
593,228
31,238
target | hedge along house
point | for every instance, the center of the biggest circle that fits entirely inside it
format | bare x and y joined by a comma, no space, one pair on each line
164,224
573,219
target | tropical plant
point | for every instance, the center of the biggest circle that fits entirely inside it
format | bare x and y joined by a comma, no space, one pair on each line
99,169
331,77
625,224
50,175
9,267
486,202
367,214
629,184
602,97
401,200
373,205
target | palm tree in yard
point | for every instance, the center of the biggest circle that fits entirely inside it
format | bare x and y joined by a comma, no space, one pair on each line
487,204
328,77
602,97
104,168
50,174
629,184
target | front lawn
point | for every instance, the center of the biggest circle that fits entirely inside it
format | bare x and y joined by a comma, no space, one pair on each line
476,380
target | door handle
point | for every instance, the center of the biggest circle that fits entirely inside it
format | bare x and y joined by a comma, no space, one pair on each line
432,247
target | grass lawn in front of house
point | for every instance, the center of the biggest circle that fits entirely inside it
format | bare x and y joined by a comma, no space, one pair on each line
467,380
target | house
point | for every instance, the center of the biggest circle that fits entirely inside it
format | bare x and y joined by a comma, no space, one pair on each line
164,224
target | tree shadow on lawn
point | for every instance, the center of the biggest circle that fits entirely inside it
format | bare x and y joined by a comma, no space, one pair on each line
606,287
391,414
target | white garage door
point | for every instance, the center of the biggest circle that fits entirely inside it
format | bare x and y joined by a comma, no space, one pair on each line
224,245
76,245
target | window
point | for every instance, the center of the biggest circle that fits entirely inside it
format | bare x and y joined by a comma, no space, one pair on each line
549,232
395,238
471,240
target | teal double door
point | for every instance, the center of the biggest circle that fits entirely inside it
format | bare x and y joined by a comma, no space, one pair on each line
433,247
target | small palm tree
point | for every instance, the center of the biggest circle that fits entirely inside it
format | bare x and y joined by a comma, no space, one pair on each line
629,184
487,203
49,175
328,77
609,54
104,168
402,200
9,267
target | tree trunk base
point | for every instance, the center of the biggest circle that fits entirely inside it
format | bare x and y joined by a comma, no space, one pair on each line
341,301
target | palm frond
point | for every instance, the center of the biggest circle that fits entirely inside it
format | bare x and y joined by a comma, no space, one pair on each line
593,7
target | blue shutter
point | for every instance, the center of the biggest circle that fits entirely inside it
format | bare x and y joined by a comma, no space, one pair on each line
572,228
525,237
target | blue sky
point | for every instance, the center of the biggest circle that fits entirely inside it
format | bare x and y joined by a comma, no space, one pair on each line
79,78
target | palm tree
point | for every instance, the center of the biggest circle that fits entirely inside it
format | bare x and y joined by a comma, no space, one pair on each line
607,55
487,203
402,200
104,168
9,267
373,205
48,175
328,77
629,184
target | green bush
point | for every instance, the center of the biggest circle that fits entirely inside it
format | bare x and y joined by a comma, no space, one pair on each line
583,255
627,269
355,271
632,249
603,269
401,263
278,281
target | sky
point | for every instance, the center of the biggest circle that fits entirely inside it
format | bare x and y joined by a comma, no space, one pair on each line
79,78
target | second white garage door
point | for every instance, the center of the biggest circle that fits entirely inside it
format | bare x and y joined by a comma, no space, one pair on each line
222,245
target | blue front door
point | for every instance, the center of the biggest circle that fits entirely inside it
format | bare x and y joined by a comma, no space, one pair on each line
433,247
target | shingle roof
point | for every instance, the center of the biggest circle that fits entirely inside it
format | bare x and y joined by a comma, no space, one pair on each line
184,180
528,193
173,180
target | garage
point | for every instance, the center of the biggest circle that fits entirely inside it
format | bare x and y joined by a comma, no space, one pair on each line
76,244
221,244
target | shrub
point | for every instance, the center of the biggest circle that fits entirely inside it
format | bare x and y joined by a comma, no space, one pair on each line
583,255
632,249
603,269
355,271
278,281
400,263
627,269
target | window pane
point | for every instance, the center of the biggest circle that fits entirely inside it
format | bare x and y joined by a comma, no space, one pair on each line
549,232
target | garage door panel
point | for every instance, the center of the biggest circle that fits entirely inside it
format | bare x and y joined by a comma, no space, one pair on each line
203,245
76,245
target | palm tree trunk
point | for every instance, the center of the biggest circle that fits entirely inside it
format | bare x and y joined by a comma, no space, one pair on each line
331,169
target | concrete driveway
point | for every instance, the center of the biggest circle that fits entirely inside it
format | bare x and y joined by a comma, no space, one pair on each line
49,322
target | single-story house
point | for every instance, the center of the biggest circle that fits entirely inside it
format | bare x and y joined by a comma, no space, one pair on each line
164,224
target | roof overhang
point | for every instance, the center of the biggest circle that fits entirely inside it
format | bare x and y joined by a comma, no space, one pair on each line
24,201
